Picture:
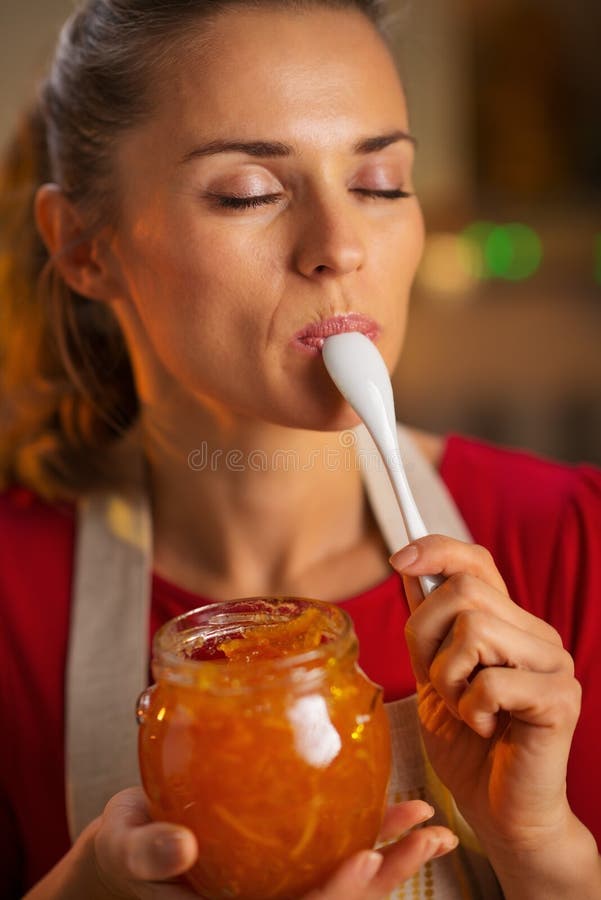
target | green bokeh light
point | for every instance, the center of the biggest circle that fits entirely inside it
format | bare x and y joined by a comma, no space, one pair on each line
528,251
499,252
513,252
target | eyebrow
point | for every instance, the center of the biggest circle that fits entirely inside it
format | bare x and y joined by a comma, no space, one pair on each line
278,149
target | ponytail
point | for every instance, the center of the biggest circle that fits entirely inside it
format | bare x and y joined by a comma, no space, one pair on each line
67,395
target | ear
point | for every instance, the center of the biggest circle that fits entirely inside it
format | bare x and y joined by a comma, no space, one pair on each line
83,259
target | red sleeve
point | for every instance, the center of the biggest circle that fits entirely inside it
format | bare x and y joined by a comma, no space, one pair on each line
541,520
11,885
36,544
576,613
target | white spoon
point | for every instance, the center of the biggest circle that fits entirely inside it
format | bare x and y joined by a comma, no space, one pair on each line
360,374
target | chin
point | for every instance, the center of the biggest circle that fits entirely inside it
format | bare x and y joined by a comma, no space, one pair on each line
348,418
321,407
334,414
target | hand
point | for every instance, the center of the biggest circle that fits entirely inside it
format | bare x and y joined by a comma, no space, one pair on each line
497,698
132,862
123,855
371,875
138,858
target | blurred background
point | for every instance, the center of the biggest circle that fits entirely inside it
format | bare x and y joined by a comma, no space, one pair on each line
504,337
505,332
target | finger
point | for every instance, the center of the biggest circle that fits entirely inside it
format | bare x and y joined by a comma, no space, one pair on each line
431,622
548,703
466,567
129,846
413,592
437,554
400,817
372,876
403,859
352,878
476,640
159,890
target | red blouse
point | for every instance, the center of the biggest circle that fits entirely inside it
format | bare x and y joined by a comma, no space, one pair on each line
540,519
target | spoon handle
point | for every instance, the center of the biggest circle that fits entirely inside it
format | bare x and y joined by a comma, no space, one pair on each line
414,524
429,583
360,374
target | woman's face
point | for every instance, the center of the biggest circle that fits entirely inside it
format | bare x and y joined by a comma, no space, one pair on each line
264,197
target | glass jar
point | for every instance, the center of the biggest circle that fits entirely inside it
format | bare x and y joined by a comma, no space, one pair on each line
264,737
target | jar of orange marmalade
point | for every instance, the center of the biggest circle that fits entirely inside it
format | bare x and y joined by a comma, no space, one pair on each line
264,737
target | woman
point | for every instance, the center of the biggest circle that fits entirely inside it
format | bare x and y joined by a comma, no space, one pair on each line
226,184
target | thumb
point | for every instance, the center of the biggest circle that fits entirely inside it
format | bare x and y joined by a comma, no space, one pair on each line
131,847
413,591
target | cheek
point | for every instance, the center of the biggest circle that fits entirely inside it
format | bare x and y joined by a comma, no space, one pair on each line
395,252
172,272
224,264
409,245
397,263
418,237
198,299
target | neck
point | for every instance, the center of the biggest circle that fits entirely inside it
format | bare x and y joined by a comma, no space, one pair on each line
238,505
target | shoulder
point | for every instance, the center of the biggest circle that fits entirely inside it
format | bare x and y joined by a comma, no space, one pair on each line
431,445
36,543
541,520
24,514
523,483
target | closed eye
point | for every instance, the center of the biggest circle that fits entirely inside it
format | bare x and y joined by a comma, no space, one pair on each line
396,194
231,201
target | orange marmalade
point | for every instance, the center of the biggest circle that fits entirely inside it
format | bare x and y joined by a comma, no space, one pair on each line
264,737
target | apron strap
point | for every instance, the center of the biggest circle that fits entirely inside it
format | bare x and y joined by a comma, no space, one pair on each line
107,663
437,507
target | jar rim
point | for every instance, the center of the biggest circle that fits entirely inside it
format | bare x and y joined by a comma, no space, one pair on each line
172,637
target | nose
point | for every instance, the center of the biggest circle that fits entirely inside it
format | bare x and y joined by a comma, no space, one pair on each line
330,241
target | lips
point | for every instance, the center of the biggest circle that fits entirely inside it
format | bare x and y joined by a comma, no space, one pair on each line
312,337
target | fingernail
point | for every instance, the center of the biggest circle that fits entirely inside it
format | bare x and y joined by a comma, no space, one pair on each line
445,845
405,557
369,866
168,849
160,857
429,814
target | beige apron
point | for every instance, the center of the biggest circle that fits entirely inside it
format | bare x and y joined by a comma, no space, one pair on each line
108,662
